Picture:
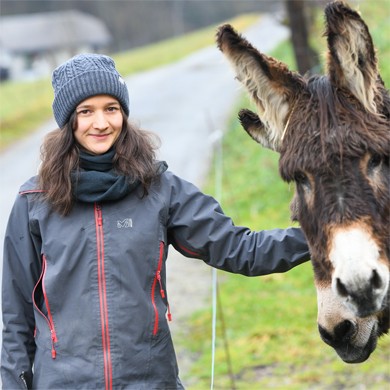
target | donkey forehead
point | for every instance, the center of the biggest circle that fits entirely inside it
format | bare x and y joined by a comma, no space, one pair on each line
328,126
333,152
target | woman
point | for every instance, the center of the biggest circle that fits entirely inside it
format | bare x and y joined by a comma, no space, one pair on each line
84,294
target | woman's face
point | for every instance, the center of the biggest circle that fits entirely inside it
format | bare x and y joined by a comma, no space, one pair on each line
99,122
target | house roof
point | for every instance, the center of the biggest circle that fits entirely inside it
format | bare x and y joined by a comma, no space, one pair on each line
51,30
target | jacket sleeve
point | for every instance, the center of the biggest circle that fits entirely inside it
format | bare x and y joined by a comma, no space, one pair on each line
198,228
21,268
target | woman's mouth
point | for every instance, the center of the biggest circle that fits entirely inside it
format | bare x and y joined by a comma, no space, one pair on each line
99,136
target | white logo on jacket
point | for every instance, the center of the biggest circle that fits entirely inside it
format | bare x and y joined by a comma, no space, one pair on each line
126,223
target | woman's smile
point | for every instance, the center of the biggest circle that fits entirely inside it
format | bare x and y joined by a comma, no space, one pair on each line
100,136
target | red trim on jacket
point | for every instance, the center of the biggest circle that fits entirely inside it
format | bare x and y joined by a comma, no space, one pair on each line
157,279
188,251
103,297
31,192
49,317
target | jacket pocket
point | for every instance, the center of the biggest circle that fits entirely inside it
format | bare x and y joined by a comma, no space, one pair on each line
40,286
158,284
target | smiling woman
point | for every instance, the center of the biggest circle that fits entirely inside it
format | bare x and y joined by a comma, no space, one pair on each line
98,221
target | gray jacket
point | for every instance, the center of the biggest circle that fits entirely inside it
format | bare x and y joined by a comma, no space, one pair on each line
84,296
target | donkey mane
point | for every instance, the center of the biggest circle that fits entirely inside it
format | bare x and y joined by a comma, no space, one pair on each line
336,119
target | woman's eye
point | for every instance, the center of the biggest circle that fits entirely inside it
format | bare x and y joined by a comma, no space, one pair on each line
112,109
83,112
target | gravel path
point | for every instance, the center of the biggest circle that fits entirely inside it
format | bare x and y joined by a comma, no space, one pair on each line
186,104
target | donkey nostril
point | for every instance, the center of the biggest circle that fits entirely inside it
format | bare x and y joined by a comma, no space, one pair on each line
376,280
344,330
325,335
341,289
342,333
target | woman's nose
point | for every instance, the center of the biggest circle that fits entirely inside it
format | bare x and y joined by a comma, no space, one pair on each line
100,121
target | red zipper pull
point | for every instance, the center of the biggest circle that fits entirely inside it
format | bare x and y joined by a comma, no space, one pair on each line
53,350
162,292
99,215
169,313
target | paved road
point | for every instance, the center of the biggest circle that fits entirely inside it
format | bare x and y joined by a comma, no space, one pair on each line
185,104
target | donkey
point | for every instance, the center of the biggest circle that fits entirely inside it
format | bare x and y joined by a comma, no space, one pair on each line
333,136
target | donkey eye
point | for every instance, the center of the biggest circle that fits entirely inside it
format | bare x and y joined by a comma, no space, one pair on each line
374,162
301,178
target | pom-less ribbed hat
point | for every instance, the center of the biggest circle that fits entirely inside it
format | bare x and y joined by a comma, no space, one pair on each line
81,77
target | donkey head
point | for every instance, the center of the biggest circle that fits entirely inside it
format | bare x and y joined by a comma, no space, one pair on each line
333,136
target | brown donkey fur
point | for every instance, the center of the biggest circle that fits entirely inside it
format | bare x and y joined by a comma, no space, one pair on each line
333,136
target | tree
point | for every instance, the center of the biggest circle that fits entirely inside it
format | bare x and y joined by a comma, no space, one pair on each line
305,56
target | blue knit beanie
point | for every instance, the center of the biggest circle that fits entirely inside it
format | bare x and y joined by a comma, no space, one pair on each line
81,77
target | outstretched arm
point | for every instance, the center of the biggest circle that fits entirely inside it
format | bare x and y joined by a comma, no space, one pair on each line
199,228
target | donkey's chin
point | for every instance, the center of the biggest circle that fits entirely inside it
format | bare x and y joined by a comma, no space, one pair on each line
351,353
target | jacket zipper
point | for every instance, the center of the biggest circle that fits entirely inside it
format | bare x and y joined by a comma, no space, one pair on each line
49,317
157,279
103,296
22,377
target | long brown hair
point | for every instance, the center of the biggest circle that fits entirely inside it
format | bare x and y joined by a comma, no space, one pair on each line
135,157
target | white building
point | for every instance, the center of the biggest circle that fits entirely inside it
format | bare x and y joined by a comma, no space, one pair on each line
32,45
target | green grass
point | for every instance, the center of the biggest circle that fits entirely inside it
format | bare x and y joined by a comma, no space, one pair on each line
24,106
271,321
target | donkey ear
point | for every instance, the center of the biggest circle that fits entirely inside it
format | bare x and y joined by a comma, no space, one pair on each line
270,84
253,125
352,63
